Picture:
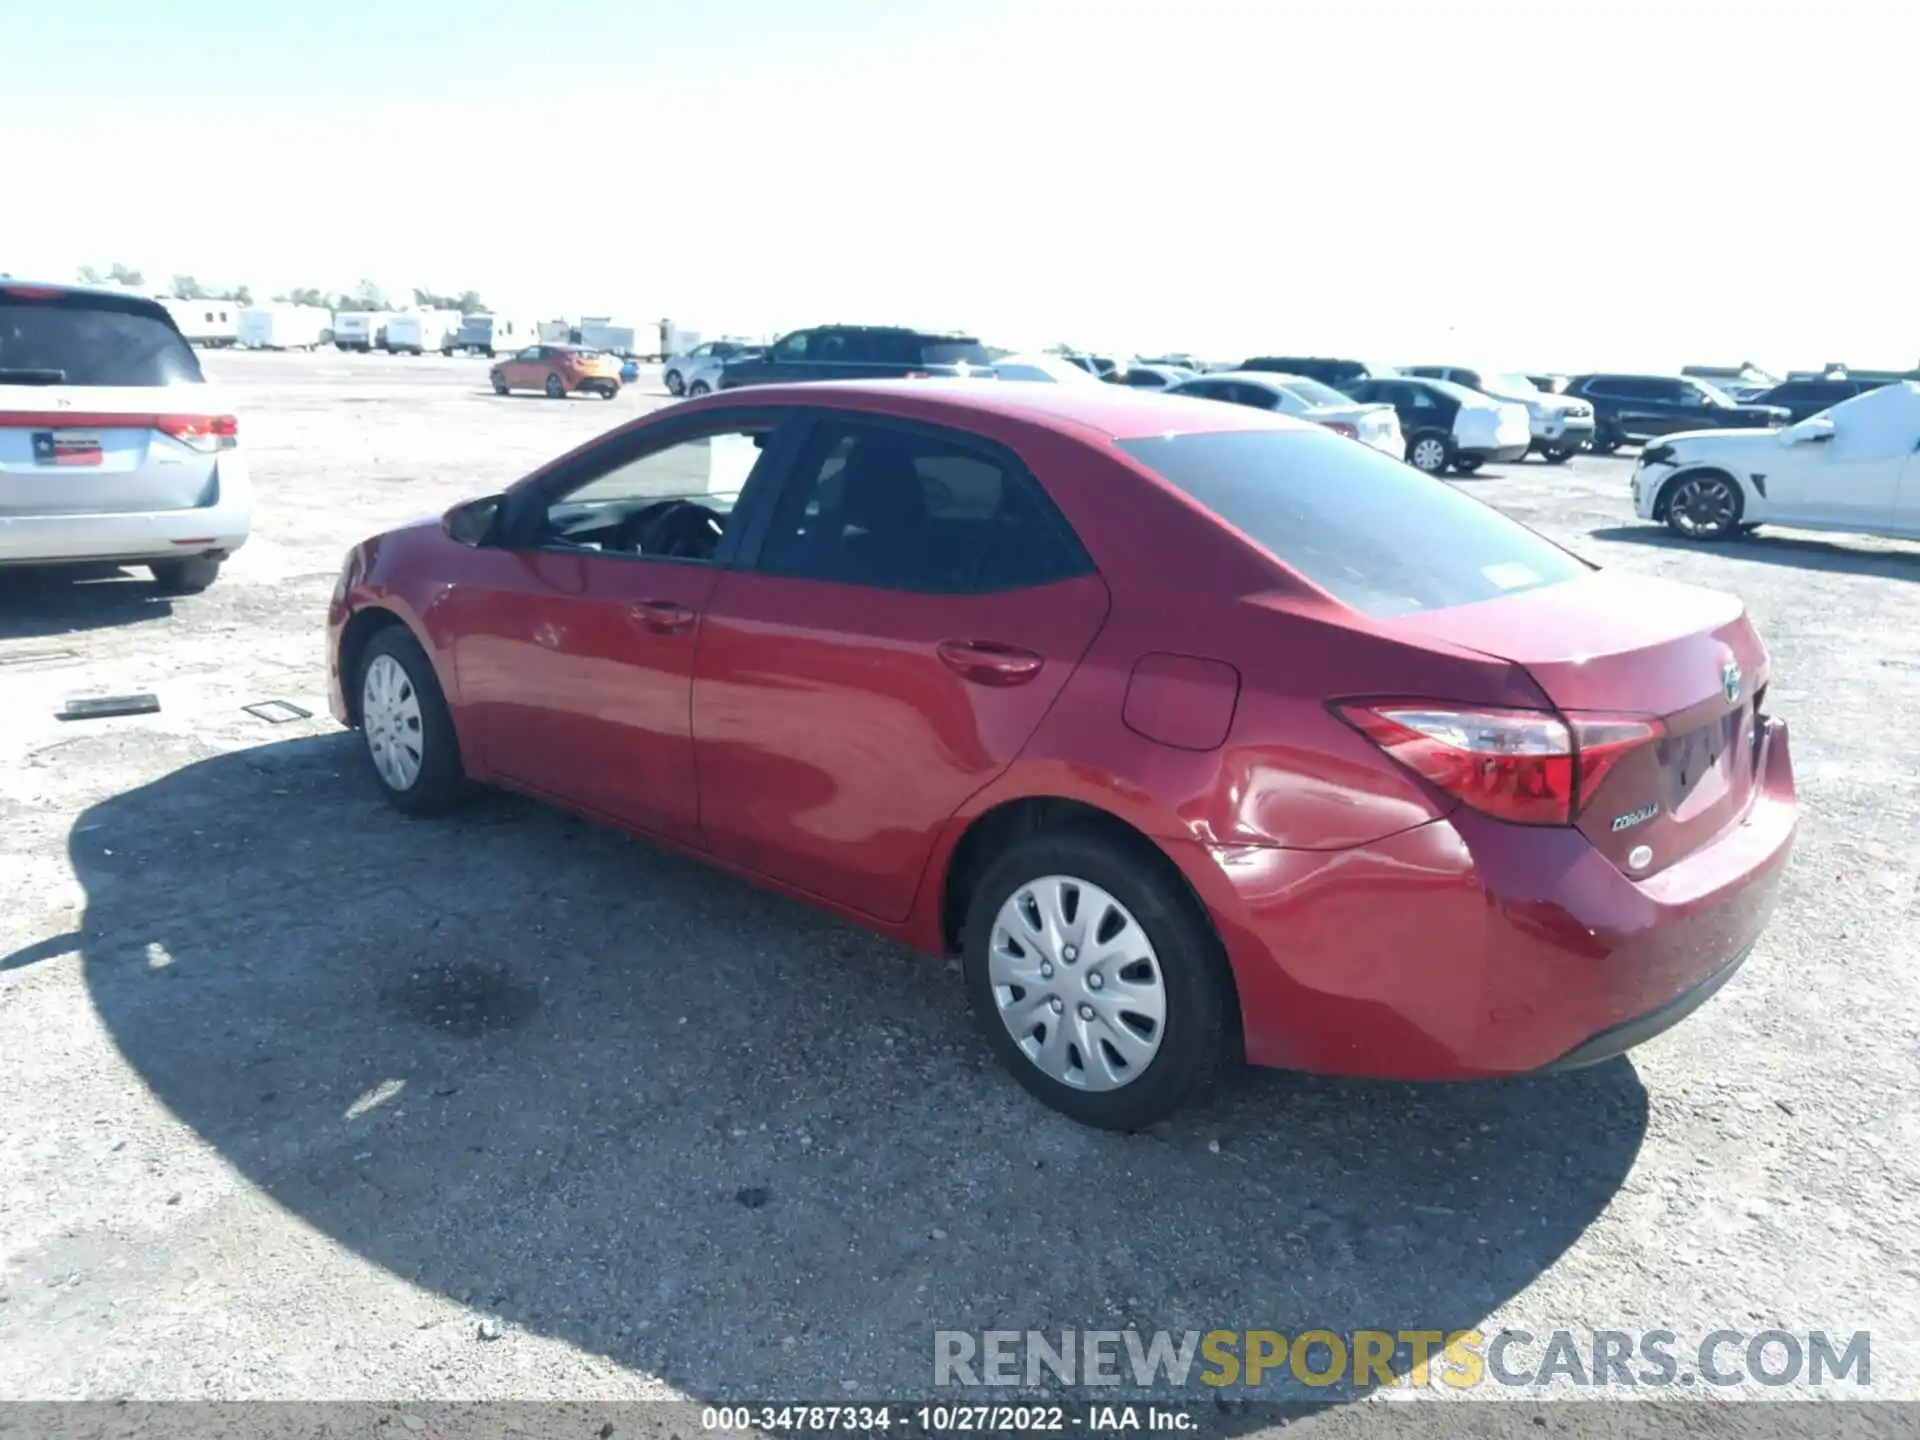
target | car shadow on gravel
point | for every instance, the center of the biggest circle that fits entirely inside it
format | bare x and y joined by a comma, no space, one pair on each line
38,603
605,1094
1769,548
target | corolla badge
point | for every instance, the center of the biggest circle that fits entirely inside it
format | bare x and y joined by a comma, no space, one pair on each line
1634,817
1730,681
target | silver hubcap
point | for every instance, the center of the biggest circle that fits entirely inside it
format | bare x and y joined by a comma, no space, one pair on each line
390,715
1077,983
1702,507
1429,455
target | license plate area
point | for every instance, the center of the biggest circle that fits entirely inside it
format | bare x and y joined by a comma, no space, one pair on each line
61,448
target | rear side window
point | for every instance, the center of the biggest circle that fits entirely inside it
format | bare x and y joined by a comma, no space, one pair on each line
1377,535
77,340
953,352
870,505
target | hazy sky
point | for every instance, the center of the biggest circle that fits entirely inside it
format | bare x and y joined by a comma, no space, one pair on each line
1528,184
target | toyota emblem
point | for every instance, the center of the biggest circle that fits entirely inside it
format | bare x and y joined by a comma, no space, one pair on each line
1730,681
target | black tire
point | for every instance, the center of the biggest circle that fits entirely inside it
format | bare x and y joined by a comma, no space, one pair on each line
609,390
442,781
1604,442
1198,1040
1559,454
555,390
697,389
500,386
675,385
1702,505
186,577
1430,452
1467,464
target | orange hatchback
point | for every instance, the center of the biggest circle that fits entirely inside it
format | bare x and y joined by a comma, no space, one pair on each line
559,370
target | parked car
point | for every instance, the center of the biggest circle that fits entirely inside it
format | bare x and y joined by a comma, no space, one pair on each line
1562,424
1853,467
559,371
702,376
1629,409
1318,367
1051,369
675,374
1304,399
1096,689
113,446
1448,426
1150,377
859,352
1801,398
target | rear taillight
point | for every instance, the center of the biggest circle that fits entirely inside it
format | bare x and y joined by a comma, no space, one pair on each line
916,375
205,433
1526,766
1340,427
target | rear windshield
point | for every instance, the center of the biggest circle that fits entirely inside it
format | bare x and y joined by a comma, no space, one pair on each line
1374,533
954,352
77,341
1314,393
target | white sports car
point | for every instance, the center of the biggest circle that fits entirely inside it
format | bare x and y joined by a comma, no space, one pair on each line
1852,467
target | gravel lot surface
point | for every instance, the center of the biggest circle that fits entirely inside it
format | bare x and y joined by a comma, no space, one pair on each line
301,1099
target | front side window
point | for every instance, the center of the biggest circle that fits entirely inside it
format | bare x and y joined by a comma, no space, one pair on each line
908,510
1374,533
670,503
794,347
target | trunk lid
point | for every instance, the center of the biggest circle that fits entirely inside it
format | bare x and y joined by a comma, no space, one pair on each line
1629,646
100,450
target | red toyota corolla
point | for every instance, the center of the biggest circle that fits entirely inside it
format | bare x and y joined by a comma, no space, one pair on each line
1195,730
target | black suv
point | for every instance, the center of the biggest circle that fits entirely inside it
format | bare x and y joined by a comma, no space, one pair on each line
1801,398
858,352
1630,408
1337,373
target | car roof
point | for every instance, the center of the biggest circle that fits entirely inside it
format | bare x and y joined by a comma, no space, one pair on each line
54,289
1115,412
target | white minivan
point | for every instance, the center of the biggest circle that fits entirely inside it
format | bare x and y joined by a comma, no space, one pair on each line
113,446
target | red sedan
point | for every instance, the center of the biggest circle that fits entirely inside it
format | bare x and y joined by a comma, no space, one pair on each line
1198,732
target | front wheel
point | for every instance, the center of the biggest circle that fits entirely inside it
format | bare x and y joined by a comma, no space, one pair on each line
1097,980
186,577
500,386
1704,507
408,731
1604,442
1559,454
1466,465
1429,454
555,390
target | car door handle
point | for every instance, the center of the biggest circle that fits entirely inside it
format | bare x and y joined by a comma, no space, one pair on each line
988,662
662,617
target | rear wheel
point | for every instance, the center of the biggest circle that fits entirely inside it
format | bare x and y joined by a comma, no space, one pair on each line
1703,506
675,385
1558,454
555,390
1604,442
1466,464
1429,453
609,390
186,577
500,386
699,388
404,720
1096,979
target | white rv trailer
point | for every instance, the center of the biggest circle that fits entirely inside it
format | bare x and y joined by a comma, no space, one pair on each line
209,323
491,334
282,327
414,332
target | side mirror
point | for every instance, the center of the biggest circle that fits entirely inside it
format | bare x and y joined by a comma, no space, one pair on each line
472,522
1810,431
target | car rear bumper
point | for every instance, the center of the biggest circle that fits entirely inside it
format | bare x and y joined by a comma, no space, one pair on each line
1495,455
1468,948
221,527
